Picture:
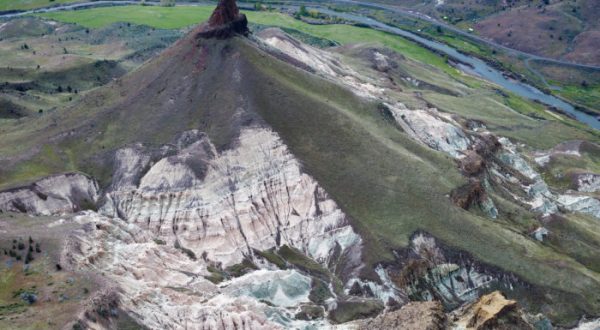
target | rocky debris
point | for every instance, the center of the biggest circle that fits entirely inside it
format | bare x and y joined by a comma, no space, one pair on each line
588,325
424,272
538,194
385,290
474,194
225,22
427,315
579,203
469,194
432,128
472,163
540,233
491,311
486,144
57,194
587,182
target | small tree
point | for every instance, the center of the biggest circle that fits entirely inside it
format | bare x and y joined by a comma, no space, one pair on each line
303,11
28,257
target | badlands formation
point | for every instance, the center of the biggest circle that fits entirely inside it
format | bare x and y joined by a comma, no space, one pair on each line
197,233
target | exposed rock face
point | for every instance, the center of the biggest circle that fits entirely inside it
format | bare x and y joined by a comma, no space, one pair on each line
225,12
492,311
162,288
468,194
225,22
321,62
428,127
427,274
57,194
412,316
169,221
225,205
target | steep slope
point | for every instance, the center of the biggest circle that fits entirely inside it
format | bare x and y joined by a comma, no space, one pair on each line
229,157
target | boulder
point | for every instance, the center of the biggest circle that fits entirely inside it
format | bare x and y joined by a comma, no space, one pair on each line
427,315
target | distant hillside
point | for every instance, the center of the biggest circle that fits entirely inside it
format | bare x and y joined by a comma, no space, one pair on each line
562,29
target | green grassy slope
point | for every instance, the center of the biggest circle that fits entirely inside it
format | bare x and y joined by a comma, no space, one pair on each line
392,187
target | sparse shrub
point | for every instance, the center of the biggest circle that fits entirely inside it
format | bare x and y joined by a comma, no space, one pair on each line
28,257
30,240
37,248
28,297
21,246
187,251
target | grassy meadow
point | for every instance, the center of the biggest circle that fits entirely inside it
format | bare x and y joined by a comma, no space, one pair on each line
29,4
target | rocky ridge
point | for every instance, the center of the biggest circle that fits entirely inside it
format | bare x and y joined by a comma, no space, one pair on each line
492,162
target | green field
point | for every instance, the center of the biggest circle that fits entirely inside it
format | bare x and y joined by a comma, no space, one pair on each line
184,16
155,16
29,4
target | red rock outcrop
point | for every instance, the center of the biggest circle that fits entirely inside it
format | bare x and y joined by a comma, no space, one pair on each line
225,22
464,196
